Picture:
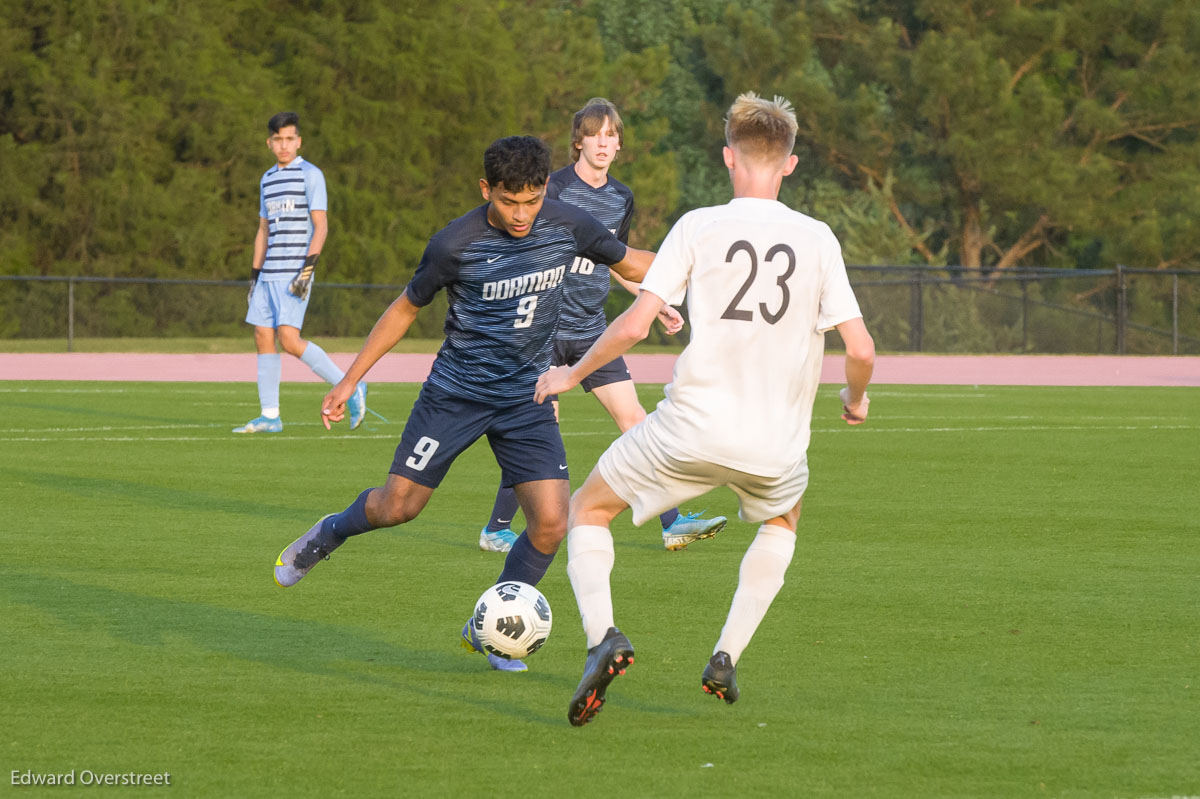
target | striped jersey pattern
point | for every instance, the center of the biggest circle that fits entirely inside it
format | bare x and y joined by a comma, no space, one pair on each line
588,282
287,197
505,297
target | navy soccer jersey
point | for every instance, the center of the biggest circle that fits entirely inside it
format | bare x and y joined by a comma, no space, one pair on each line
587,280
286,198
505,297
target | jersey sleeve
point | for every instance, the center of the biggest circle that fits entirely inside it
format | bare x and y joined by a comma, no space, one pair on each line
314,187
437,269
626,220
262,199
668,276
596,242
838,303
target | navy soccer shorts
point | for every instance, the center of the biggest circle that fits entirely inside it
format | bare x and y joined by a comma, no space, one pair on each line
568,353
523,437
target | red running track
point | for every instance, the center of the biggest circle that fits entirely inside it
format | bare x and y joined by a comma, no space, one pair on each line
960,370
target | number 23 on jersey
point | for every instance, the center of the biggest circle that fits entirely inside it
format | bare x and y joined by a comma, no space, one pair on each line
776,256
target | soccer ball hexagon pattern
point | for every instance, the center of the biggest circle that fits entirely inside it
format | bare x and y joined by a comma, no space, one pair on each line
512,620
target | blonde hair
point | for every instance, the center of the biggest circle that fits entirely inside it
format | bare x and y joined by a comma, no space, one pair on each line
761,128
589,121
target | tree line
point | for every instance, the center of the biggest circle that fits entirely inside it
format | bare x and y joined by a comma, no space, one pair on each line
987,133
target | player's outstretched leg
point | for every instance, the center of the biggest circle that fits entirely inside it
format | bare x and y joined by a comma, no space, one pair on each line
689,527
470,642
261,424
605,661
302,554
720,678
357,405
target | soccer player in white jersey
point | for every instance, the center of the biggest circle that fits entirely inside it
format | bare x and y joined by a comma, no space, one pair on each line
292,227
763,283
597,134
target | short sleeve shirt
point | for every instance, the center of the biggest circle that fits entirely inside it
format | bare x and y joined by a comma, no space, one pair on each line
505,296
763,284
588,283
286,199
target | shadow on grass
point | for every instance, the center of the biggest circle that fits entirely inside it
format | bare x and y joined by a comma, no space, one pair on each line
306,646
157,497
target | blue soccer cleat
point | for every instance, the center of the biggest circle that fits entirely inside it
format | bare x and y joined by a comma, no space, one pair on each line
496,540
470,642
357,405
689,527
261,424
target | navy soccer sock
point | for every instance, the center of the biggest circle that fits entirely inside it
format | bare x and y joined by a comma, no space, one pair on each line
352,521
504,510
669,517
525,564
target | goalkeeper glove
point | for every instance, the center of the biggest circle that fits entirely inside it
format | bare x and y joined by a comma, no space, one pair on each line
254,273
302,283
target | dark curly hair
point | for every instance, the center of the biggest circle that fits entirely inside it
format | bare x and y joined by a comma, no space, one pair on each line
518,162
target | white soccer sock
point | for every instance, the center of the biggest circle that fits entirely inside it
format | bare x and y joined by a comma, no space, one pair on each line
759,580
589,563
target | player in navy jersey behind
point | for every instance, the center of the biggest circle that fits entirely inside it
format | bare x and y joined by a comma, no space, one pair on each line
502,266
597,134
292,226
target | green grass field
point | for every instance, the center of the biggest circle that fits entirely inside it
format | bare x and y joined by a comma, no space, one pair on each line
995,594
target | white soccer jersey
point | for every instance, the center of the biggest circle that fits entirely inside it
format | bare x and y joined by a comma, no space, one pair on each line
763,285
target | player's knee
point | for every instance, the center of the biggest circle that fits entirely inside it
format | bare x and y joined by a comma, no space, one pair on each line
293,345
549,525
398,509
631,418
547,536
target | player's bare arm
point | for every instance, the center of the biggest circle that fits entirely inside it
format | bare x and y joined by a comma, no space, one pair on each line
672,320
634,265
626,330
260,254
387,332
320,224
260,243
860,363
301,285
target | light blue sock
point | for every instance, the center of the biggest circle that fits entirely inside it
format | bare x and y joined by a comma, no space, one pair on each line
315,358
269,369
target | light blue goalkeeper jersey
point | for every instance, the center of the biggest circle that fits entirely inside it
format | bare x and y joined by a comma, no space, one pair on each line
286,199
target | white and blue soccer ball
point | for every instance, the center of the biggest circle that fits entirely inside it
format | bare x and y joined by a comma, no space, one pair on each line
512,620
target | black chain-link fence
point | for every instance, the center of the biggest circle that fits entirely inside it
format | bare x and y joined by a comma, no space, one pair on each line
954,309
907,309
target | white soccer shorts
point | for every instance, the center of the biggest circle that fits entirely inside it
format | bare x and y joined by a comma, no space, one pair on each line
651,476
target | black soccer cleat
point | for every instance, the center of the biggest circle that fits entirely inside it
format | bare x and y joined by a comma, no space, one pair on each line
720,678
605,661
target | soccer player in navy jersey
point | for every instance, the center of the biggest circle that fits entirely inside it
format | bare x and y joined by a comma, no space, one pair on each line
292,226
502,266
597,134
